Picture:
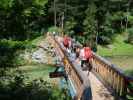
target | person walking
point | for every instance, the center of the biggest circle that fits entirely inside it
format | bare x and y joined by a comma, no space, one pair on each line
67,42
86,57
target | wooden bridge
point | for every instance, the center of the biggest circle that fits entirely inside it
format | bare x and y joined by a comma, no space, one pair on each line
105,82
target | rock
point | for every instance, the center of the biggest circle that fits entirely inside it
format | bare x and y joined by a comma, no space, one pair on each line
45,54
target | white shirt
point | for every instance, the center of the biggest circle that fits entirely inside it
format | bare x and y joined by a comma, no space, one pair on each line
82,54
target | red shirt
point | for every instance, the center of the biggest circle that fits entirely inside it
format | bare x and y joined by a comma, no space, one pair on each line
86,53
67,41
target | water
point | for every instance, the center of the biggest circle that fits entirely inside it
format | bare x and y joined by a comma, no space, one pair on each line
69,86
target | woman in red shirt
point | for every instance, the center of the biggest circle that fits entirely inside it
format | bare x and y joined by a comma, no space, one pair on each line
86,56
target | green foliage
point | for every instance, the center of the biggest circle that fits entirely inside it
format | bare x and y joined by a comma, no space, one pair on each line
81,39
118,47
54,29
73,14
99,20
13,87
90,24
69,25
8,50
130,36
106,35
21,19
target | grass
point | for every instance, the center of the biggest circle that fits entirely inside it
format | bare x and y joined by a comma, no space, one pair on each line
117,48
123,62
120,54
38,71
37,40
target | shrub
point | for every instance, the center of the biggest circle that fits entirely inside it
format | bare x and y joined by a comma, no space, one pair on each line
104,40
14,87
54,29
8,49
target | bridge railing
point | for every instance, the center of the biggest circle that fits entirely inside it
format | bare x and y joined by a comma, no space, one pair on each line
74,72
112,76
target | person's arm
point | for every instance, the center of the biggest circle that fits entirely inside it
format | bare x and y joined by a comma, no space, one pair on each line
77,60
80,54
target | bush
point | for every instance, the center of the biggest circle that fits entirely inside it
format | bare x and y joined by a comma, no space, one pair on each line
8,49
12,44
54,29
104,40
14,87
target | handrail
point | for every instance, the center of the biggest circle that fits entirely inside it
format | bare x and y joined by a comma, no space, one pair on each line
82,84
112,75
108,72
66,58
81,79
119,81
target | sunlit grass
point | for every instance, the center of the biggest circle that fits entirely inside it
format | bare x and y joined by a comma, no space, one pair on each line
37,40
39,71
120,54
123,62
119,47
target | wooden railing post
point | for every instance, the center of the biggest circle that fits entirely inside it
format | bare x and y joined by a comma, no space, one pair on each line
111,75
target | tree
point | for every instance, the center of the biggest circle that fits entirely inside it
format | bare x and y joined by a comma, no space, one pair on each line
21,17
90,24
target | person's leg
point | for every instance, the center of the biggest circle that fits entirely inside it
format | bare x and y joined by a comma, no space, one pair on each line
89,65
83,62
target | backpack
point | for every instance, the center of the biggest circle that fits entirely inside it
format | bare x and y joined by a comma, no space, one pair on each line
87,53
66,41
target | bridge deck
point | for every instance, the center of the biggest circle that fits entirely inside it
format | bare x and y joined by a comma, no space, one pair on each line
99,91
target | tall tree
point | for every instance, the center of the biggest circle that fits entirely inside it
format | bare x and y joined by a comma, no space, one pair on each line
21,17
90,25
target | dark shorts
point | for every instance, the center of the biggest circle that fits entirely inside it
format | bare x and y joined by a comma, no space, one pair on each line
87,64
